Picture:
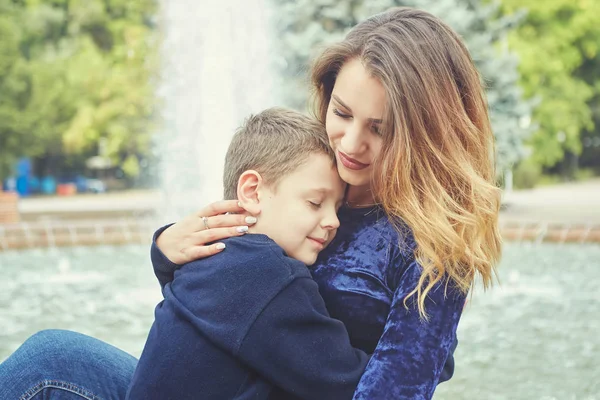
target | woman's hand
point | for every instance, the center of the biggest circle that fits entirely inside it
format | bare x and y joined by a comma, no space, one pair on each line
186,240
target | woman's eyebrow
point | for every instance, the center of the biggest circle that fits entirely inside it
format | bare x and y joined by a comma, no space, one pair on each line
336,98
341,103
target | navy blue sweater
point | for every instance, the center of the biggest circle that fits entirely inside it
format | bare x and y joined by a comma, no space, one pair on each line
364,276
246,324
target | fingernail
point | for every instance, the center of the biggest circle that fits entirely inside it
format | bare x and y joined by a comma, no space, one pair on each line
242,229
220,246
250,220
239,204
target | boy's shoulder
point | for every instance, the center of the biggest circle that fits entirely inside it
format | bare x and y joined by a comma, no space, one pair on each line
251,253
227,291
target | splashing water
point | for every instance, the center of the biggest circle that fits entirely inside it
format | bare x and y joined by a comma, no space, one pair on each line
217,70
532,337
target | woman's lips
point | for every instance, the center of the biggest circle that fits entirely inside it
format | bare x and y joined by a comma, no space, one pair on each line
351,163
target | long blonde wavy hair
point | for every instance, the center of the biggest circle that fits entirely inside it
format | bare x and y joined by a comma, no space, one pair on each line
436,169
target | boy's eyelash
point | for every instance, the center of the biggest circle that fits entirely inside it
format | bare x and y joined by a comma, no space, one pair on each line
316,205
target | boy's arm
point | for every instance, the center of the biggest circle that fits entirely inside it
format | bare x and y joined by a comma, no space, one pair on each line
297,346
177,361
164,269
291,340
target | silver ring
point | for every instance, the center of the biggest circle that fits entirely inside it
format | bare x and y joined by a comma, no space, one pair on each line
205,220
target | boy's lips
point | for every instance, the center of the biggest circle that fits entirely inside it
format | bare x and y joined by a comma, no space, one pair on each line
350,162
320,243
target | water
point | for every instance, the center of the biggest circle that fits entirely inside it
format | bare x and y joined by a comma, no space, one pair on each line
105,292
217,69
535,337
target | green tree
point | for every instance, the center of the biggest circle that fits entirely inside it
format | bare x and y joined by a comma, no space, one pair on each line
13,88
74,73
308,24
555,43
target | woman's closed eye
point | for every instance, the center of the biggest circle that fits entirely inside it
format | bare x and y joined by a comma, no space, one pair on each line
376,129
341,114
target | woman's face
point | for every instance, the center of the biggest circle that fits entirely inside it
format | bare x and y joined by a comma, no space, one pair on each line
353,122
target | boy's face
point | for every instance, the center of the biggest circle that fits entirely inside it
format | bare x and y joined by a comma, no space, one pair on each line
300,214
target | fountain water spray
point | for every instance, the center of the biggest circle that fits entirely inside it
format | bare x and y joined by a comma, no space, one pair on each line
217,69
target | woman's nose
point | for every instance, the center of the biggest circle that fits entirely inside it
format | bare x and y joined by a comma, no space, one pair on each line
352,142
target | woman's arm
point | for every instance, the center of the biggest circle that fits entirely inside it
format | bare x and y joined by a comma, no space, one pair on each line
411,353
187,240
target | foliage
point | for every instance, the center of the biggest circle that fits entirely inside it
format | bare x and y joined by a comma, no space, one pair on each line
527,174
559,44
73,72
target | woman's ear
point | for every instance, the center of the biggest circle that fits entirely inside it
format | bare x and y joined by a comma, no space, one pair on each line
247,191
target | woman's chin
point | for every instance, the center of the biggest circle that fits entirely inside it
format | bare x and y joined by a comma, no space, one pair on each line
354,178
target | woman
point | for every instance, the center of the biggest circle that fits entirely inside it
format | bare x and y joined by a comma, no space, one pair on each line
406,115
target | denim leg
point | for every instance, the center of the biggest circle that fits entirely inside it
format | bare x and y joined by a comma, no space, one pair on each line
65,365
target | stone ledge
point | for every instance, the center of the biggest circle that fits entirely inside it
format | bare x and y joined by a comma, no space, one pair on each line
65,233
59,233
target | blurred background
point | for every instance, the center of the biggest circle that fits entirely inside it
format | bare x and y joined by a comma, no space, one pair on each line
115,116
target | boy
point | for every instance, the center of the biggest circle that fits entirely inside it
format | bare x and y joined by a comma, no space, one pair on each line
249,323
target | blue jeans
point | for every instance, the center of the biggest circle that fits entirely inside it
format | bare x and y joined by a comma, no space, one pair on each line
64,365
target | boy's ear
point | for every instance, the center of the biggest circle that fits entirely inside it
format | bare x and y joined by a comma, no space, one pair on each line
249,184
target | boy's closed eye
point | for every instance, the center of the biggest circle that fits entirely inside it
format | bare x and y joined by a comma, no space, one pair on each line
315,204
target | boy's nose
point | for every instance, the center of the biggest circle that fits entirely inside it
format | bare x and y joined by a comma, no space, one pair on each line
331,222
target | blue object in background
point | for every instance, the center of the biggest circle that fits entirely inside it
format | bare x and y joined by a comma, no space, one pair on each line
81,182
23,182
23,167
48,185
23,186
34,184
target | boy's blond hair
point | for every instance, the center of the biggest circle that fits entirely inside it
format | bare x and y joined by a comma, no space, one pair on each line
274,143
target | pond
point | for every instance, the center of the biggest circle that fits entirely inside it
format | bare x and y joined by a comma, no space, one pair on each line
533,337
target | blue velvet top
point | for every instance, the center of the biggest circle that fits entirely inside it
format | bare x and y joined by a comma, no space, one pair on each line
364,276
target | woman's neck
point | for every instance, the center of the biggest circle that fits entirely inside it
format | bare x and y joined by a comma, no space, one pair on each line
360,196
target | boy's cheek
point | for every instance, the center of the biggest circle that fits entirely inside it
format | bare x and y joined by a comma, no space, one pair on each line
331,237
